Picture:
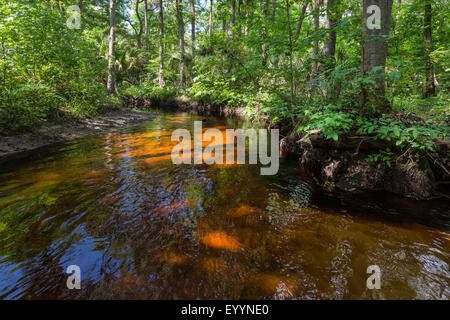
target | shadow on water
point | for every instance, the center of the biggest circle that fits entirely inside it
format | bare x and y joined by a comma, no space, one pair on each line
139,226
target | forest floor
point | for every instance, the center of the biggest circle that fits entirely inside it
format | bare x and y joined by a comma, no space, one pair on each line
12,146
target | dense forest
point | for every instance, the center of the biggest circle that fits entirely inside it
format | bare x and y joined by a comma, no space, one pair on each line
300,65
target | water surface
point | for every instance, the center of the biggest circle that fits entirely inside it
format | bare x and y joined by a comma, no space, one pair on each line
140,227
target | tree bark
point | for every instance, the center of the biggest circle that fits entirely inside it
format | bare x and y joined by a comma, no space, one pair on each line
315,55
291,67
240,18
248,6
430,88
300,19
180,21
232,17
161,43
139,35
374,54
193,29
264,33
111,84
146,24
329,45
210,25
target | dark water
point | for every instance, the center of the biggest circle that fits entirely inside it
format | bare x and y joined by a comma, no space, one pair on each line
140,227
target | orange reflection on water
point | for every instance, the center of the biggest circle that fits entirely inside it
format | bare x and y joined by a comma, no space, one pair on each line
243,210
221,240
275,286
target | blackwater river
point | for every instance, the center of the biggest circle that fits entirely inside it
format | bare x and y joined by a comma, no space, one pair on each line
140,227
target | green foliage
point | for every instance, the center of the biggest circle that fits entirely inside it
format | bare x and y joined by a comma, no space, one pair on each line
27,105
385,156
329,119
47,69
149,91
418,137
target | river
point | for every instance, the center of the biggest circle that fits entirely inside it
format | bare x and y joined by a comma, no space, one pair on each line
140,227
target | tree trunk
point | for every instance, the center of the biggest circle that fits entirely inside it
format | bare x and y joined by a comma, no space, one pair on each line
315,55
374,54
179,10
300,19
248,8
329,45
146,24
210,25
139,35
240,18
430,88
264,33
291,67
193,29
161,43
111,84
232,17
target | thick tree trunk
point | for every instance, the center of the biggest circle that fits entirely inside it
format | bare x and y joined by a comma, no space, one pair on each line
111,84
374,54
146,24
329,45
161,43
430,88
179,10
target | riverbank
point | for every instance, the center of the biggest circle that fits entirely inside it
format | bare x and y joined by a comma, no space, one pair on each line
16,146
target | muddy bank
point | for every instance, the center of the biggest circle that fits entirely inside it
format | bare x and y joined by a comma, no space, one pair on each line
346,165
12,147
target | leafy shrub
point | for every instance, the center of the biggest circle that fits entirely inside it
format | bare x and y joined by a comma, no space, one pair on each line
415,137
149,91
329,119
27,105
